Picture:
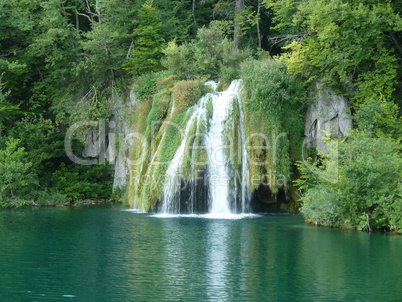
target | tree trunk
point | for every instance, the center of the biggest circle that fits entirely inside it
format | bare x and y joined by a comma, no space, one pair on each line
97,10
237,27
396,42
77,21
194,18
258,24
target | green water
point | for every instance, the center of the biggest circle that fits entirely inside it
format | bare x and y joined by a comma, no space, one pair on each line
106,254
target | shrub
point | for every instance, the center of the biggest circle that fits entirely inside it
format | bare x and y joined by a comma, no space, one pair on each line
145,85
50,197
379,117
16,177
367,193
83,182
205,56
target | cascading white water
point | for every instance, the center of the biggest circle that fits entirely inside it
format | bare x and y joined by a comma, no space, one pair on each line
173,175
244,161
219,171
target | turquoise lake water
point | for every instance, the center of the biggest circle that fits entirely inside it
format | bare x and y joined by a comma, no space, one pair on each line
109,254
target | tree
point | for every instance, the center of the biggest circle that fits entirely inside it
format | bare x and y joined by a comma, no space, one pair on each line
8,111
15,37
239,6
177,19
341,43
146,50
379,117
108,41
15,174
210,55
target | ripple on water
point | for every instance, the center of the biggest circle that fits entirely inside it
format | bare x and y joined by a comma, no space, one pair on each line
228,216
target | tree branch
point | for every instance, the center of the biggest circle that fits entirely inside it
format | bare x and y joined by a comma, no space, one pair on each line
283,38
129,50
14,52
85,15
396,41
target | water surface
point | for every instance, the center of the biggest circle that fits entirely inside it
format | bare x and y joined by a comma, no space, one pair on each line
108,254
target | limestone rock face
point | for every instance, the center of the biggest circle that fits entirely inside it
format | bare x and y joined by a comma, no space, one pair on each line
111,141
118,150
330,113
93,143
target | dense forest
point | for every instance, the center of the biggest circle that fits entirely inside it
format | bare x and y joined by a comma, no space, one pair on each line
65,61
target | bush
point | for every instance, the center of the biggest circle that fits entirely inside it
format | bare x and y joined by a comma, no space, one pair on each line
205,56
379,117
16,177
145,85
84,182
50,197
367,193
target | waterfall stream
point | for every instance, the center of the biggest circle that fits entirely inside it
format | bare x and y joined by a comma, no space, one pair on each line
218,170
173,174
216,112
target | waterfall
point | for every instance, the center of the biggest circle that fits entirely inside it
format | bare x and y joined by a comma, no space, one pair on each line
218,170
171,189
244,162
216,112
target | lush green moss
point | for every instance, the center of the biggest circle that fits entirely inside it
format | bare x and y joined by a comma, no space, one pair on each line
272,103
155,166
165,122
158,112
187,93
232,139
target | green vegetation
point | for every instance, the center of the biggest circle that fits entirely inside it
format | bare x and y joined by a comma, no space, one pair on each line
145,51
366,194
68,61
16,176
80,182
273,100
210,55
353,46
342,43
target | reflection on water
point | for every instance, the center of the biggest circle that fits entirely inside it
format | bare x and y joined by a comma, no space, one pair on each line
105,254
217,261
230,216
